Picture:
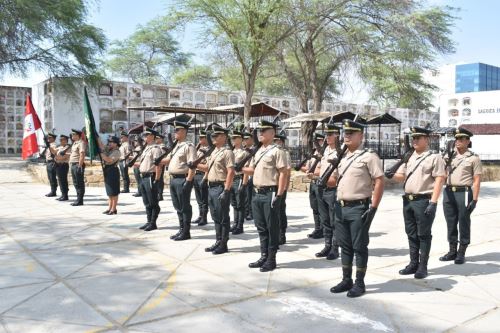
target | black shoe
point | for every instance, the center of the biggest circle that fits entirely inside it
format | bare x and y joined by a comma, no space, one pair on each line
357,290
259,262
106,211
324,252
333,254
222,248
77,203
198,220
124,191
62,198
411,268
421,272
144,226
213,246
316,234
150,227
160,198
452,253
460,259
344,285
249,217
112,212
137,194
50,194
238,230
233,226
282,239
270,263
202,223
183,236
176,234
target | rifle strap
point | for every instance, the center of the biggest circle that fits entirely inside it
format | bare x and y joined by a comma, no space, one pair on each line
414,169
262,155
347,167
213,161
177,148
456,166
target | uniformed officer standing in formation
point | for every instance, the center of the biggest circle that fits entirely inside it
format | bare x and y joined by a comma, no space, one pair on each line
135,169
150,176
461,195
279,139
200,186
219,171
313,190
77,163
248,142
181,179
61,155
51,166
359,172
327,196
161,182
125,155
269,170
239,187
110,156
423,178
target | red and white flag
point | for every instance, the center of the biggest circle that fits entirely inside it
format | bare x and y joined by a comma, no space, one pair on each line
31,124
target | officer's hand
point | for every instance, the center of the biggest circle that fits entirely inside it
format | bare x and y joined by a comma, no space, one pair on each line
369,214
389,174
238,168
187,185
276,201
61,153
471,206
191,165
431,209
224,196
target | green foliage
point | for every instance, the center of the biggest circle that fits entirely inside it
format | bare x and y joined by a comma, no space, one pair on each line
49,35
150,55
197,76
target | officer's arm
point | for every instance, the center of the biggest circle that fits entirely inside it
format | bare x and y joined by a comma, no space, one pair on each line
283,178
190,176
378,190
82,157
53,150
202,167
245,179
165,161
399,177
248,170
229,179
476,187
438,186
158,172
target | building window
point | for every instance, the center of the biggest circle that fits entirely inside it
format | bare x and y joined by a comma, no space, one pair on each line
199,97
175,94
187,105
187,95
466,101
211,98
105,115
222,99
148,93
105,127
285,104
106,89
466,112
105,102
134,92
174,104
453,113
233,99
120,115
452,123
161,94
120,91
148,115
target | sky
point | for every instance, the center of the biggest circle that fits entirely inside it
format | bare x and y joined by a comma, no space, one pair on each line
475,32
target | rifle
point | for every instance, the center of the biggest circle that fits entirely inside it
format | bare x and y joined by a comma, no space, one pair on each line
140,142
231,126
251,151
299,165
206,153
450,151
389,173
171,144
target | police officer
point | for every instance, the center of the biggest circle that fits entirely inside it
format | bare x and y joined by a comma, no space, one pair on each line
51,167
77,163
150,176
239,186
327,196
279,139
357,174
313,190
125,154
61,156
269,170
161,182
135,169
460,195
200,186
423,178
110,157
248,141
181,179
219,171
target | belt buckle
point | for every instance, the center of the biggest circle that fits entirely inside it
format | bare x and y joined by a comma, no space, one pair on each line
342,203
411,197
453,188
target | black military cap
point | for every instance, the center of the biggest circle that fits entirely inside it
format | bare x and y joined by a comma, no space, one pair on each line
123,133
462,133
217,129
203,133
161,136
264,124
52,135
179,124
64,136
246,135
75,131
280,136
236,134
148,130
114,139
319,136
351,125
330,128
419,131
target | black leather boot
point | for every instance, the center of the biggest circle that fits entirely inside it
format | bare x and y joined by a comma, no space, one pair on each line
334,252
452,253
222,248
203,220
460,259
346,283
239,226
151,226
324,252
218,237
259,262
185,234
421,272
282,239
52,193
235,220
174,236
318,231
270,263
412,267
358,288
198,220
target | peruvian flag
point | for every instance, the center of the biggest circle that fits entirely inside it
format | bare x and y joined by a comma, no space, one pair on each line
31,124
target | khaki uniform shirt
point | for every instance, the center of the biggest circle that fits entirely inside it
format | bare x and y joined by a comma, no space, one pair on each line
182,154
77,148
48,154
464,167
219,162
272,158
64,158
115,154
125,150
330,153
239,154
147,160
357,181
422,179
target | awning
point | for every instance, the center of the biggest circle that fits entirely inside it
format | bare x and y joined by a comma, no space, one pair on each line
337,118
180,109
443,130
164,118
259,109
303,117
383,119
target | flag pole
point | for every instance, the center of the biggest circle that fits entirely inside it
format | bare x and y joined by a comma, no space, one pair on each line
91,124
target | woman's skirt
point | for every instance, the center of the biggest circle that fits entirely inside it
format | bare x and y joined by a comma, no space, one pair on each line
112,181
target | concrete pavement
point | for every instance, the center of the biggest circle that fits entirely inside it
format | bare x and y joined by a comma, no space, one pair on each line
72,269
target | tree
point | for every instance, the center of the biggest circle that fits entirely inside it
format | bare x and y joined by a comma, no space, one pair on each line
149,56
252,28
49,35
197,76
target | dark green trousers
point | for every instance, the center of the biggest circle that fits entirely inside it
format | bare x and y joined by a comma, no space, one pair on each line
326,198
418,226
181,196
137,176
456,215
282,214
77,174
249,197
62,177
125,177
266,221
352,234
313,200
150,197
52,176
219,210
201,192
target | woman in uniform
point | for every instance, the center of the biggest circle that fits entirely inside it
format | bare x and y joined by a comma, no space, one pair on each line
110,157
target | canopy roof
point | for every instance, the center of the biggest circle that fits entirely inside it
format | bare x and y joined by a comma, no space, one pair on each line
180,109
259,109
383,119
337,118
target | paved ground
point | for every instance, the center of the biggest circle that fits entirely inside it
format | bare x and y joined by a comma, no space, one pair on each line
72,269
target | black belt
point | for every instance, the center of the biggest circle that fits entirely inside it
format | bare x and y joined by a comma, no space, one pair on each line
73,163
61,163
327,189
198,172
238,176
178,175
458,188
148,174
215,184
265,189
352,203
414,197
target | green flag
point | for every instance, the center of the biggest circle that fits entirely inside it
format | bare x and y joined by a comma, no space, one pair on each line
90,130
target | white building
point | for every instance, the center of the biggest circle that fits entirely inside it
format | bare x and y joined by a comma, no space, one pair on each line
12,107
